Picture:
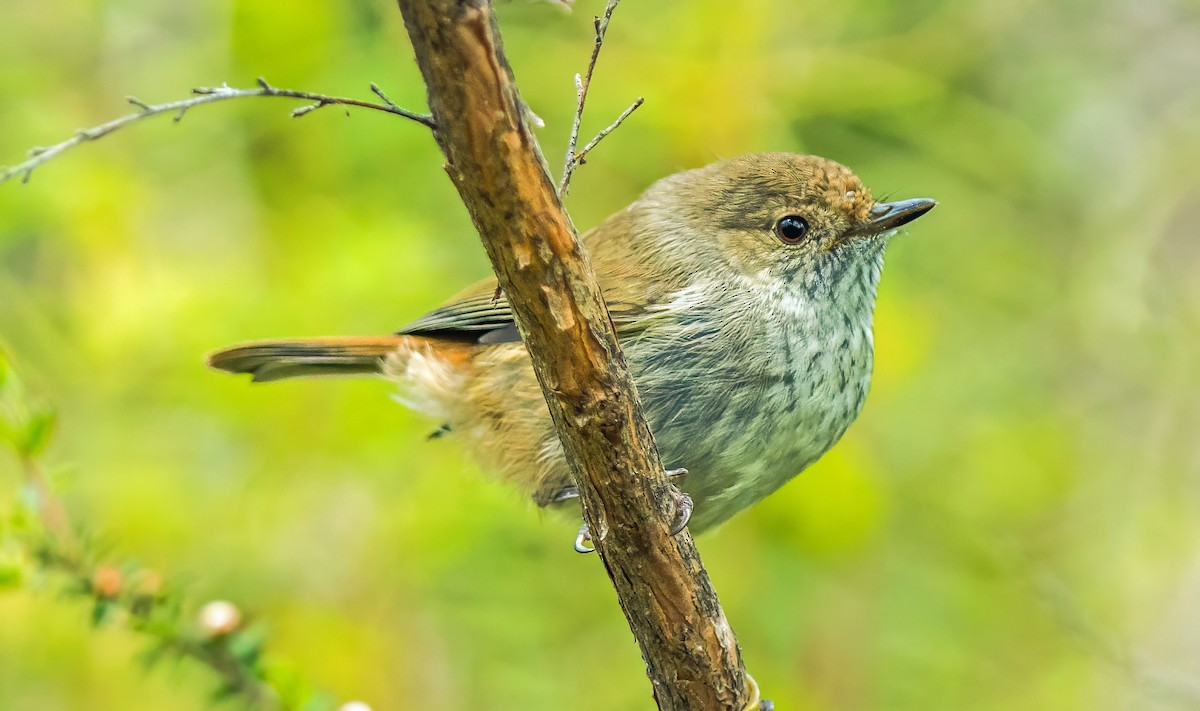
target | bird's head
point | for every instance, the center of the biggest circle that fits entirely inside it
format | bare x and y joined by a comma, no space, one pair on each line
773,214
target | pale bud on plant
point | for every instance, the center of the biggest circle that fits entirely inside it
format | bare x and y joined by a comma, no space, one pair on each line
219,617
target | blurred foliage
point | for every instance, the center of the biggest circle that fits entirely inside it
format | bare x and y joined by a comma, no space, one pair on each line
1013,523
41,546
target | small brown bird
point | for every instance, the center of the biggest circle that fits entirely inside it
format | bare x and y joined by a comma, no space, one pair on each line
743,295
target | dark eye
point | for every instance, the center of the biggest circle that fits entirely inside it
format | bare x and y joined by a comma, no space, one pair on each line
791,229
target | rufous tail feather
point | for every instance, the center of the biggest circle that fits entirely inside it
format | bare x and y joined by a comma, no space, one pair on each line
309,357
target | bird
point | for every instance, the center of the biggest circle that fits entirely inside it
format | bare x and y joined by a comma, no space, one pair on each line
743,295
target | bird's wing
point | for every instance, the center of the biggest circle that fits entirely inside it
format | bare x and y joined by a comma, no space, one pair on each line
469,316
481,314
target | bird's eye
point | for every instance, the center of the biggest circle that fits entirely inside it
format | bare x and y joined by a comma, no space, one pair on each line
791,229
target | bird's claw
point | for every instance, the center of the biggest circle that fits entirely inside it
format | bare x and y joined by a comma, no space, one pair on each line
583,539
565,494
683,503
683,510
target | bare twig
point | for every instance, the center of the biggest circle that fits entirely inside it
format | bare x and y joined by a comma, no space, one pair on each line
204,95
580,157
582,83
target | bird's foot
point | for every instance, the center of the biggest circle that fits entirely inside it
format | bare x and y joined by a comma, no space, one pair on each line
571,491
683,509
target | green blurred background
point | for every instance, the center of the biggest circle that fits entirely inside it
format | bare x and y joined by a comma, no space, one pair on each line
1014,522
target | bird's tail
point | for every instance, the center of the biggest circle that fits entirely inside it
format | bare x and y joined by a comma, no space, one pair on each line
309,357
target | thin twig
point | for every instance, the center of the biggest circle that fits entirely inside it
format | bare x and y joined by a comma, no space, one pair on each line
204,95
579,158
582,83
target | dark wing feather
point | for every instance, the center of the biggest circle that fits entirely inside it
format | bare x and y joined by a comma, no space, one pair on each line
469,319
487,320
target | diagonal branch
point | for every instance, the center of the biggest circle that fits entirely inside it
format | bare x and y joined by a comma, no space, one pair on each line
494,161
203,95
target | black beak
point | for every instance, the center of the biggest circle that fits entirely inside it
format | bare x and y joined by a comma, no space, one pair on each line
890,215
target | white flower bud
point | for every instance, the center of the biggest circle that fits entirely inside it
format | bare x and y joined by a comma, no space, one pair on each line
219,617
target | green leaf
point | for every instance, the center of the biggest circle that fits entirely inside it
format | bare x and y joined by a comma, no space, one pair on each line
100,612
246,646
38,431
12,570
